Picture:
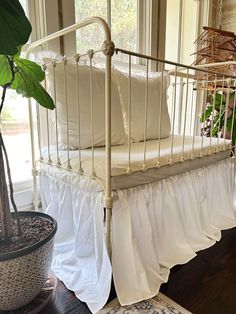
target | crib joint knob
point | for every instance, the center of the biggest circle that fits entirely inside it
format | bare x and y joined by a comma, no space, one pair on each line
90,53
170,162
107,202
108,48
80,171
34,172
144,168
128,171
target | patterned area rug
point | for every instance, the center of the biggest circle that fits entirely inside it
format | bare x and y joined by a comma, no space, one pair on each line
157,305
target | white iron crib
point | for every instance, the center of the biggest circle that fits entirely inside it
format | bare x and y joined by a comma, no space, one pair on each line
164,175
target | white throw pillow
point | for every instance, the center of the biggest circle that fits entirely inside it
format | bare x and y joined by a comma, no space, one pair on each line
118,135
154,104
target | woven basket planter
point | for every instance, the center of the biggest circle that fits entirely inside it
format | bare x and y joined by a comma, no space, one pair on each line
23,273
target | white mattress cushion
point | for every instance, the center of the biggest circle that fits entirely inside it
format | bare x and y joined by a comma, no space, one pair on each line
120,156
118,135
156,104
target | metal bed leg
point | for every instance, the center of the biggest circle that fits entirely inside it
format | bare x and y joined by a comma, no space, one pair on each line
108,231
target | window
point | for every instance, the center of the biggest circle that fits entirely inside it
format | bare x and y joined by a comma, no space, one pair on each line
123,26
181,16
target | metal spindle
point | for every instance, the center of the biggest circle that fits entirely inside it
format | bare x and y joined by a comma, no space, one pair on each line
185,115
129,117
173,121
56,119
191,109
160,116
213,113
233,117
195,119
90,54
220,114
226,109
145,119
67,115
77,58
47,122
204,105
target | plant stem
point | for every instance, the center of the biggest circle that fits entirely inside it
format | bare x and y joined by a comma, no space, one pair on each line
3,97
5,214
10,184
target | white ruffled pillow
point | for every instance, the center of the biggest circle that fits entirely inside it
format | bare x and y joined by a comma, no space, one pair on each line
155,104
118,135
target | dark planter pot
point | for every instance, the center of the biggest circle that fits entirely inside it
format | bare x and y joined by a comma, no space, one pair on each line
24,272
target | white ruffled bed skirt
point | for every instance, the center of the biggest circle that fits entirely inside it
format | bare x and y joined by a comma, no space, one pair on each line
154,227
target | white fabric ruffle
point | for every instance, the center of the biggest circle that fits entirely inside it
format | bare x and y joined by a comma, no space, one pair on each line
159,225
80,256
154,227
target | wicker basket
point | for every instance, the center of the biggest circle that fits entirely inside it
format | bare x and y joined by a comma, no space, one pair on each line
23,273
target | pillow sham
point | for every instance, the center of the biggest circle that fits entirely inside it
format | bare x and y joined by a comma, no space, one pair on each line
83,122
155,104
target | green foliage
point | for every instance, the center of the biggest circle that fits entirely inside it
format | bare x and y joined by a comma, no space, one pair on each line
31,68
17,73
215,114
5,73
206,114
15,28
26,80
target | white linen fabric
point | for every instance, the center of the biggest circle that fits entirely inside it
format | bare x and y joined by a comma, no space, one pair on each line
154,227
159,225
80,119
156,104
80,256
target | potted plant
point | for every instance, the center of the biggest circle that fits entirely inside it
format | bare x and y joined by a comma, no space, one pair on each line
26,238
219,116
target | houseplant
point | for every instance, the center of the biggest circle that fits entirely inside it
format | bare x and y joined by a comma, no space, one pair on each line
26,238
219,116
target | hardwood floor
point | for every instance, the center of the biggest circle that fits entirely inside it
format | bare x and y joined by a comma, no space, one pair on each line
205,285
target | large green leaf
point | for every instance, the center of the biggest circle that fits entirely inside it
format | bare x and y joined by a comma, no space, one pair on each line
27,86
5,71
206,114
218,101
17,55
15,28
234,135
214,131
231,95
31,68
230,123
